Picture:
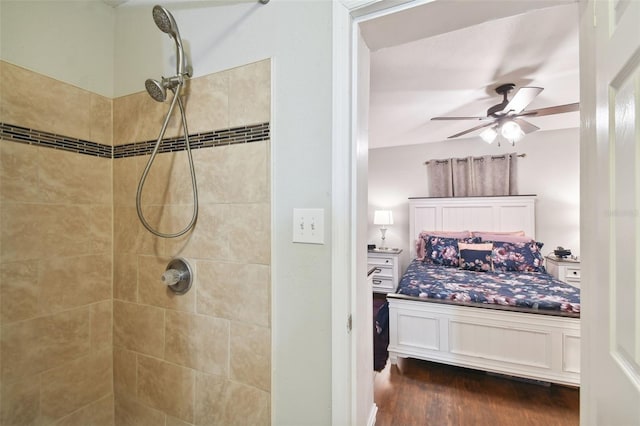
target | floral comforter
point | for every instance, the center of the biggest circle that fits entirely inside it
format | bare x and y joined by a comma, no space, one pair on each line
528,291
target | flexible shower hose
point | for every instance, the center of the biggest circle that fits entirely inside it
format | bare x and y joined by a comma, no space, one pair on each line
176,98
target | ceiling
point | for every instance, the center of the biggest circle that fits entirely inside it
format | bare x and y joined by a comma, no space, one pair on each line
445,59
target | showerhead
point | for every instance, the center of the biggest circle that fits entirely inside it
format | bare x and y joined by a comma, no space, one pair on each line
164,20
156,90
167,24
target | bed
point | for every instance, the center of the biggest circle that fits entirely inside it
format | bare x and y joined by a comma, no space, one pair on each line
520,322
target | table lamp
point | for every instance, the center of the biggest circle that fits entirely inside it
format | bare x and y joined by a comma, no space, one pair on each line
383,217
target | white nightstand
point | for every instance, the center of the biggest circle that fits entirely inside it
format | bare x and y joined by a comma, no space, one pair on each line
386,270
567,270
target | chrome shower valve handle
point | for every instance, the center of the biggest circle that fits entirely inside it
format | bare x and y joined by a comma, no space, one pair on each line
171,277
178,276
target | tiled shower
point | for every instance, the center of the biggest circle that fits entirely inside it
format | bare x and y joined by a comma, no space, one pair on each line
88,333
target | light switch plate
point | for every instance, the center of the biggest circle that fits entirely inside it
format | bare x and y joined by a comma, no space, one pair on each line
308,226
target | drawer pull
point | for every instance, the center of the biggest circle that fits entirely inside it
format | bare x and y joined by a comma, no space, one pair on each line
377,270
386,261
377,281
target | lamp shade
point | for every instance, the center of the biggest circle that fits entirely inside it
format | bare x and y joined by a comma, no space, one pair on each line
489,135
511,131
383,217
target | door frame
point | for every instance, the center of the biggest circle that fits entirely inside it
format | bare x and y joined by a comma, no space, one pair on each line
347,250
352,400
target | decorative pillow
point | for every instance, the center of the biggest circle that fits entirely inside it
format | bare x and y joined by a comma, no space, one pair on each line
476,260
443,250
517,256
421,241
479,233
475,246
449,234
487,236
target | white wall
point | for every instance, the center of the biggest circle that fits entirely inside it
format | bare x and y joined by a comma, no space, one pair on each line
71,41
551,170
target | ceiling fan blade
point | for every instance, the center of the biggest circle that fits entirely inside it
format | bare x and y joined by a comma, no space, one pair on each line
558,109
526,126
521,99
471,130
462,118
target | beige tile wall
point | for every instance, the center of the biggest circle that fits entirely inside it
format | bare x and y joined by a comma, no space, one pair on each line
55,258
33,100
203,358
83,315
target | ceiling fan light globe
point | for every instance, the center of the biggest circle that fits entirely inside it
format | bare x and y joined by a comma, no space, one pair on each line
511,131
489,135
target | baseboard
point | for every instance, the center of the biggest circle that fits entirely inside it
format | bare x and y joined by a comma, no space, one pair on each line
372,415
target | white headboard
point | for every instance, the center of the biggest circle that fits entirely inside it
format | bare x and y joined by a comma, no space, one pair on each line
509,213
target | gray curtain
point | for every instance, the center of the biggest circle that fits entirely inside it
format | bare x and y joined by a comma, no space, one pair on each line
494,174
462,177
473,176
439,178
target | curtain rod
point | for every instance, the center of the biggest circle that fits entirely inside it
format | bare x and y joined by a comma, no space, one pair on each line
493,157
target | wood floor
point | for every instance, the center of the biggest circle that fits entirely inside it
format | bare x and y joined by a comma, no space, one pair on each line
434,394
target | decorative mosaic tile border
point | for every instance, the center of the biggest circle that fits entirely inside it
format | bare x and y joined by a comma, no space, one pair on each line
19,134
235,135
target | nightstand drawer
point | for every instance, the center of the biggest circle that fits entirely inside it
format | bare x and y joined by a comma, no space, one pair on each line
572,273
379,283
382,261
382,271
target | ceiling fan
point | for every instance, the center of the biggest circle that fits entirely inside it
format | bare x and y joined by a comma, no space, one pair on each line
505,117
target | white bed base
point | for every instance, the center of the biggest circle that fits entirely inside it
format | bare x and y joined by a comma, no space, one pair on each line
534,346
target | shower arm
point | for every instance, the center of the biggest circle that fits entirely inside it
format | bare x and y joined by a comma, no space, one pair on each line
171,83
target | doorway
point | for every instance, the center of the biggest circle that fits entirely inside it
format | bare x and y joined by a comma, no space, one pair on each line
359,156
